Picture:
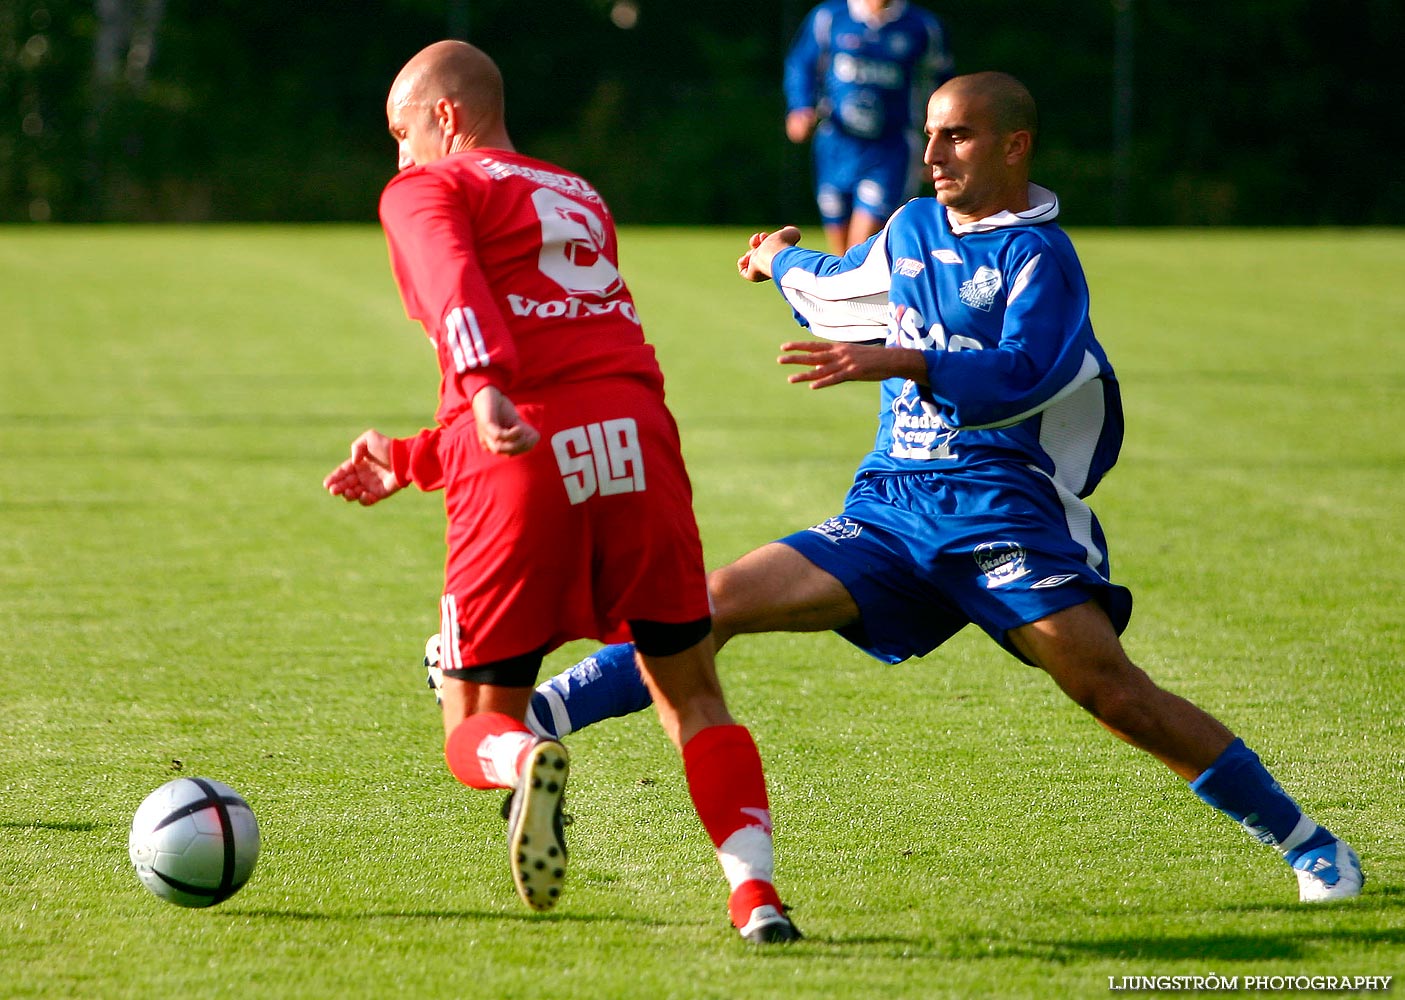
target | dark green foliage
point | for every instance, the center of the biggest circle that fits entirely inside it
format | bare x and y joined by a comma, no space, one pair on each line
1258,112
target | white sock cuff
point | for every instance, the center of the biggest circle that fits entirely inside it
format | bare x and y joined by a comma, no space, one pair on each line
498,755
748,854
1304,829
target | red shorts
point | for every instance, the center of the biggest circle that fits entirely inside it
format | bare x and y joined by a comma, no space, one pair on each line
589,530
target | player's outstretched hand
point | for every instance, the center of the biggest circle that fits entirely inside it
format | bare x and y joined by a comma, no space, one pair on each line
366,477
501,428
755,264
831,363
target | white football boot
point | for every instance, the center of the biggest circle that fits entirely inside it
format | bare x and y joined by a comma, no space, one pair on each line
768,925
1328,873
536,839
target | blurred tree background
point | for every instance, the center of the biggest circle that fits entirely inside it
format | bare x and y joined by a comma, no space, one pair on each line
1187,112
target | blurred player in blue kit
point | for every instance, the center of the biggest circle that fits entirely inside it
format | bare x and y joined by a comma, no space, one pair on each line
1000,414
855,79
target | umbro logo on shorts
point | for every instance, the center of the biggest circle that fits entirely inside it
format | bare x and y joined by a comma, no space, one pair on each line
1050,582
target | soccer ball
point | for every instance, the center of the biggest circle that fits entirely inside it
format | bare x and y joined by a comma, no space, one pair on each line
194,842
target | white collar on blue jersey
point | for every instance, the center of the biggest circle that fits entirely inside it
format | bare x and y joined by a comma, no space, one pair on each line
1044,207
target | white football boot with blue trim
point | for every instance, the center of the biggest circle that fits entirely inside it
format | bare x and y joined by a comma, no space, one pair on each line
1328,873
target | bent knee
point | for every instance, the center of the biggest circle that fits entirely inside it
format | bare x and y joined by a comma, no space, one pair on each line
1122,707
1109,688
721,592
1127,701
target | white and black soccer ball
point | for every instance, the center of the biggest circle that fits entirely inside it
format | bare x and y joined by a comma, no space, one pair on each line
194,842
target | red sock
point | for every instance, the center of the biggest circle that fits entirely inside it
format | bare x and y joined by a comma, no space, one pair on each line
486,750
728,787
748,896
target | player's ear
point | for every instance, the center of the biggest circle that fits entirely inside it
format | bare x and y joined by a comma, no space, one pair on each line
446,116
1017,146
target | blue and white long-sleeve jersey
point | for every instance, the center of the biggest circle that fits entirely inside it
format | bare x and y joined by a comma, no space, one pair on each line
999,308
871,80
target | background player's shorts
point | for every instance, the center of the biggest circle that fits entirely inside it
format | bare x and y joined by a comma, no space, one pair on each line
855,173
923,557
590,529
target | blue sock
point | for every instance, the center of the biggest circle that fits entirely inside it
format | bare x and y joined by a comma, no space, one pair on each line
599,687
1238,785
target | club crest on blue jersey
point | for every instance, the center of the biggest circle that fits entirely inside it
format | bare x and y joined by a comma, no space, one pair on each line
919,432
979,292
921,412
1001,562
837,529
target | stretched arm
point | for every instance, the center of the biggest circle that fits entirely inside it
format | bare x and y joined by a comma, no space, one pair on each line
832,363
755,264
366,477
429,228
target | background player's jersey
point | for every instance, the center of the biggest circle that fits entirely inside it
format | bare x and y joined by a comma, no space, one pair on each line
869,81
1000,309
511,264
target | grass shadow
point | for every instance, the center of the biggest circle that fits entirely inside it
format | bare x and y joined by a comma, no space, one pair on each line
1257,947
63,826
435,915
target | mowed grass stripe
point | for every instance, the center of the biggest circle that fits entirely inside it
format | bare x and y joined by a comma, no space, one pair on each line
179,596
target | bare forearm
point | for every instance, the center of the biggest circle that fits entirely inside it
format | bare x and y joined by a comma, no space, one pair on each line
832,363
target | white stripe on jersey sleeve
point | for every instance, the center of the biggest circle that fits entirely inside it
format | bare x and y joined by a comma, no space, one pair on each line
1086,373
848,306
1021,281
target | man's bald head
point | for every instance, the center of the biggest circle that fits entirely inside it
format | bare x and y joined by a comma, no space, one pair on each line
447,98
1009,102
451,69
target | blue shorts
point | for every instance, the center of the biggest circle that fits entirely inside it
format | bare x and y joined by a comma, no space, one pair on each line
923,556
855,173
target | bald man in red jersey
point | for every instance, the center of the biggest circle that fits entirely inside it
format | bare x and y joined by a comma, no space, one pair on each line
569,507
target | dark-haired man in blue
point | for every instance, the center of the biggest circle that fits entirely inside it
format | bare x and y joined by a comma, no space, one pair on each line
1000,414
856,77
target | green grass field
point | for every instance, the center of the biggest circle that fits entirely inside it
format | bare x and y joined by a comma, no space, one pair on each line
180,597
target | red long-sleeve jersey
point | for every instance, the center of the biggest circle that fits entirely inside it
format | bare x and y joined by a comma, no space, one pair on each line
511,265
